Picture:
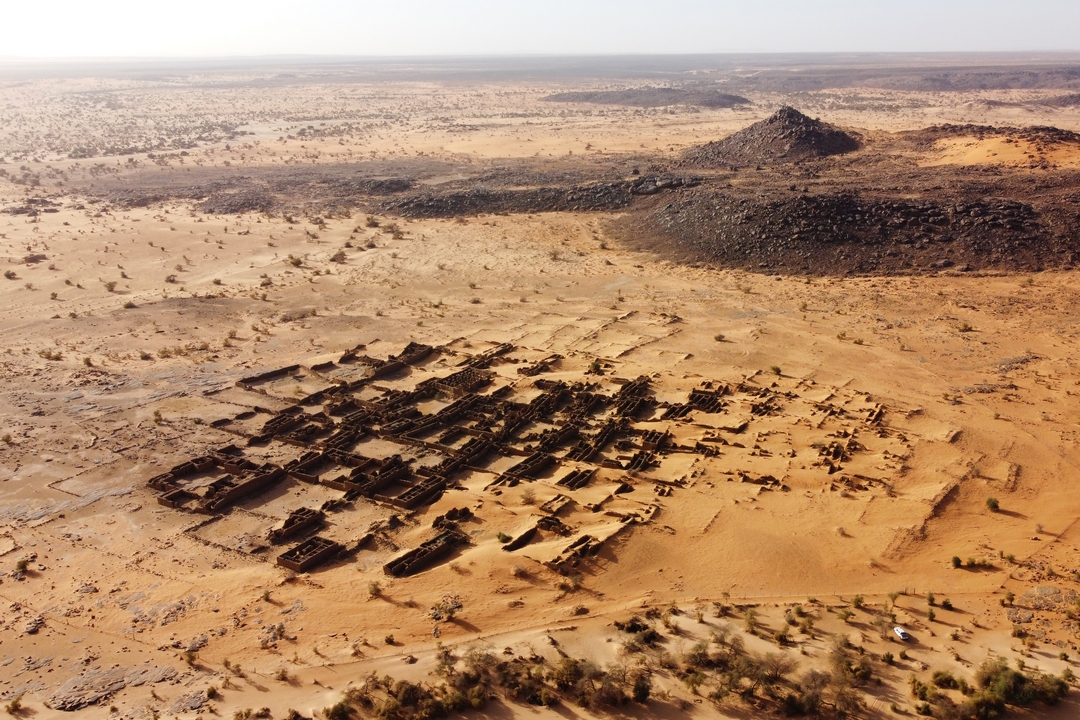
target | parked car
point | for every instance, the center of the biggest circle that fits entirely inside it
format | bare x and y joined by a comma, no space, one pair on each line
901,633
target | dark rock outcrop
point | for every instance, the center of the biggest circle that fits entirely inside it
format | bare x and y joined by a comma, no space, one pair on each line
845,232
653,97
785,136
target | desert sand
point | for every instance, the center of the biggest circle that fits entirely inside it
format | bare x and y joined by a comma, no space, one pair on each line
861,427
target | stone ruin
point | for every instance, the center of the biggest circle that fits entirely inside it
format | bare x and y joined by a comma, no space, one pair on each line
567,430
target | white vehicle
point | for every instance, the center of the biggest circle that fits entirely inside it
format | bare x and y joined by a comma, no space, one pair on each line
901,633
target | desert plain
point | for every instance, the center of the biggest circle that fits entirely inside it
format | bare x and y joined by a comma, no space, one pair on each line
675,452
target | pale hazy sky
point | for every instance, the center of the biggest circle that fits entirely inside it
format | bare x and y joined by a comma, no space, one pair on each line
143,28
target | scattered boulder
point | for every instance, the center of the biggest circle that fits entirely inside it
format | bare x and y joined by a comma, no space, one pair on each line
197,643
189,702
97,684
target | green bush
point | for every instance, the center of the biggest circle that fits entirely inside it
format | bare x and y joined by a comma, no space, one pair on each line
339,711
1001,685
944,679
642,689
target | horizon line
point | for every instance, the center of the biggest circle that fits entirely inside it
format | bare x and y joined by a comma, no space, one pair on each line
539,55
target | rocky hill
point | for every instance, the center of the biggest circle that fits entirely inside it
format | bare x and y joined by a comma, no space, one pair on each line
786,136
847,231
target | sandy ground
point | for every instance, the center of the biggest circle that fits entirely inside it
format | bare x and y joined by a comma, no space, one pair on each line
126,330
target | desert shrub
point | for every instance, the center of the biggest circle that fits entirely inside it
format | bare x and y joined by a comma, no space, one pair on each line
693,681
340,710
523,681
567,673
698,656
1001,685
14,706
811,688
642,688
944,679
598,688
847,667
775,667
983,706
641,633
922,691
